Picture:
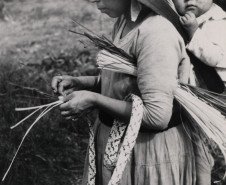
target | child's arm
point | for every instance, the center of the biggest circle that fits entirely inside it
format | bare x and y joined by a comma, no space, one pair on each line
203,47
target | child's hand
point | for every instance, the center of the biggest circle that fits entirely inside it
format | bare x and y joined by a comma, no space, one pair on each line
189,22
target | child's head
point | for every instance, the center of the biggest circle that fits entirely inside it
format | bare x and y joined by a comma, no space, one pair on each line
198,7
113,8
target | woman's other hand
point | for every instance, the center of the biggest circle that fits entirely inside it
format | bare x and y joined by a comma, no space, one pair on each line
184,70
77,102
65,85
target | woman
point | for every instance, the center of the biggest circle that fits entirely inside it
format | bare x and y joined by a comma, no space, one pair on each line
163,153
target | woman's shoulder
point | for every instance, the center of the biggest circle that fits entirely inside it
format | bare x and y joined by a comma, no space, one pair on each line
156,27
157,24
157,33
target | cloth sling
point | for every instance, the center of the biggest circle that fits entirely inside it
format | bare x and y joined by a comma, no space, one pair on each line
115,158
212,81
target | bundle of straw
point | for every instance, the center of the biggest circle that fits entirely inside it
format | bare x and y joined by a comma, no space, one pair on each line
209,121
102,42
206,110
113,62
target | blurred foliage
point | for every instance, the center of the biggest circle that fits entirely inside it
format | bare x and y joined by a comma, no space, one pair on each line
54,151
36,45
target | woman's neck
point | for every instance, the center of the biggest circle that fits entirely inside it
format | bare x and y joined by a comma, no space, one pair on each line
129,25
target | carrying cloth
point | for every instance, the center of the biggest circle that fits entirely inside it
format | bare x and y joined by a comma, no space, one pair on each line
115,157
207,76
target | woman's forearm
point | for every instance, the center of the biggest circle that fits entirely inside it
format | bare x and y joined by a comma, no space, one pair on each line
87,82
119,109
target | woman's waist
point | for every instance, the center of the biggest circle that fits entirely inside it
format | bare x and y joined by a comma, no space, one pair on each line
118,85
175,120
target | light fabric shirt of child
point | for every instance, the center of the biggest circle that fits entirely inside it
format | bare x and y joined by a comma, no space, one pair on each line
209,41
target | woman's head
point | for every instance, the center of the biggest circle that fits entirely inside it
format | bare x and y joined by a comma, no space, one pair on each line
113,8
198,7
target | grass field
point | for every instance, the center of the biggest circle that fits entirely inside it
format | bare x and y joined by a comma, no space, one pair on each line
35,45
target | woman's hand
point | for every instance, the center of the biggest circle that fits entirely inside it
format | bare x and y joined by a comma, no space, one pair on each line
184,71
65,85
77,102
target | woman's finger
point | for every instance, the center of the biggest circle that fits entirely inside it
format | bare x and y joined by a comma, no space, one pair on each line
73,118
69,117
69,96
184,71
61,88
56,80
66,113
68,91
65,106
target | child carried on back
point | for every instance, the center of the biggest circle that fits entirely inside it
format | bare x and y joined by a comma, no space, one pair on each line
205,23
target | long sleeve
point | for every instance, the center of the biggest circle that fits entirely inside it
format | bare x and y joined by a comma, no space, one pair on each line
159,54
209,43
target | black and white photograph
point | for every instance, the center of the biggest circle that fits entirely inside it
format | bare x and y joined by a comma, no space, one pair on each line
112,92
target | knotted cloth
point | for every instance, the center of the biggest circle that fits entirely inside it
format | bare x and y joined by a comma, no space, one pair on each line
113,157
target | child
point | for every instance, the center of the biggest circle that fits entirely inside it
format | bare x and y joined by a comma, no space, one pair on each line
205,23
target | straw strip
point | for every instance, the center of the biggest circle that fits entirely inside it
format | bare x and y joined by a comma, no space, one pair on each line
37,107
47,109
21,121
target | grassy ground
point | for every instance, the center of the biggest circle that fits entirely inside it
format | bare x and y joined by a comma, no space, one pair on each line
35,45
37,27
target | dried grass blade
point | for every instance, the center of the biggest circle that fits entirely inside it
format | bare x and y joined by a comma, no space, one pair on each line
17,124
76,32
32,89
210,121
47,109
83,26
37,107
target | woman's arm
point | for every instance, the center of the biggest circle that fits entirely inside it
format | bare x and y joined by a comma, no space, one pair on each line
79,101
67,84
159,53
160,50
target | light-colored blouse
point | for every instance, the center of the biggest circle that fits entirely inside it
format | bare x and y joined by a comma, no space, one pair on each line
163,158
159,50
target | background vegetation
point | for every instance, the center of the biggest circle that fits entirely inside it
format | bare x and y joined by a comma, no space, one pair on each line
35,45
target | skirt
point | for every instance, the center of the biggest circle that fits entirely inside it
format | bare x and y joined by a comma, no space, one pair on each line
164,158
